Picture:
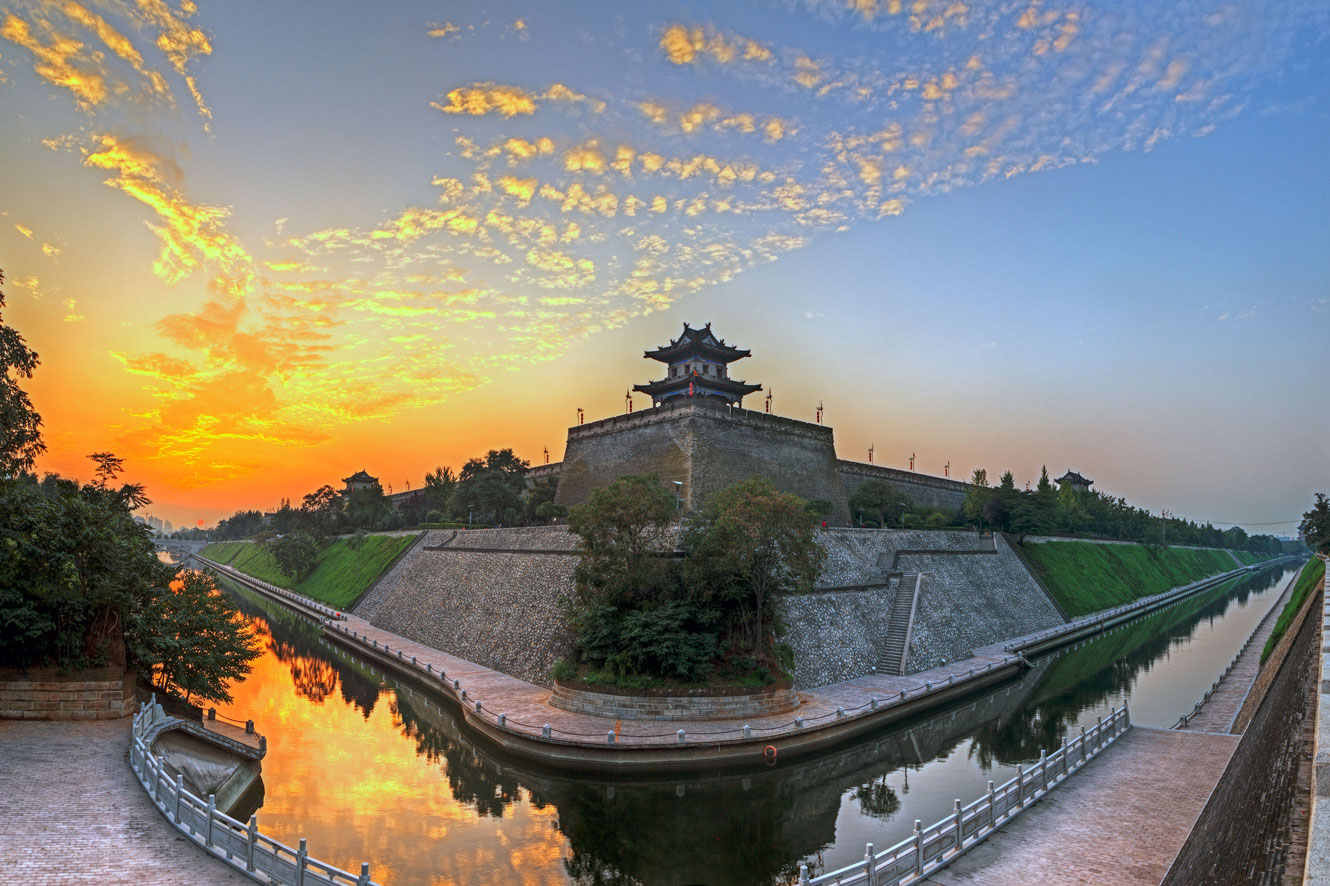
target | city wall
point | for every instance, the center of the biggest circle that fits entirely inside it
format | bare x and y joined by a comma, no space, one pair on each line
492,596
706,447
923,489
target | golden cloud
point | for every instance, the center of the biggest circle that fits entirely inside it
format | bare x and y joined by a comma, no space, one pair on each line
685,46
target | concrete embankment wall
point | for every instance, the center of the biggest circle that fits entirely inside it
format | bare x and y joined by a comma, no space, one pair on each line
1243,831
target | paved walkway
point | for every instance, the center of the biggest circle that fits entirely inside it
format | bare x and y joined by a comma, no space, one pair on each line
1120,822
527,706
1218,712
77,814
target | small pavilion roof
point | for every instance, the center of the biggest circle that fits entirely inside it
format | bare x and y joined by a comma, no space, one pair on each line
1074,478
360,476
696,340
730,386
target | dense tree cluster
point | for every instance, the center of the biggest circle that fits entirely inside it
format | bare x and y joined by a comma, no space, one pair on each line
1046,510
1315,525
80,582
642,614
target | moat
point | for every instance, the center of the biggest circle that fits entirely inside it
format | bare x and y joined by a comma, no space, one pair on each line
369,767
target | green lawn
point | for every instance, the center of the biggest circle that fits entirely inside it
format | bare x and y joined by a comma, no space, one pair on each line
1307,580
1085,577
340,574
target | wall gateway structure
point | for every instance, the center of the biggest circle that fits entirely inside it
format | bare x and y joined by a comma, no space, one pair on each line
698,436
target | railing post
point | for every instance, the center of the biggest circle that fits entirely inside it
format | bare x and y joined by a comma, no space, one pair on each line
251,842
803,874
179,789
301,854
1043,770
960,837
1099,734
157,784
870,867
1083,756
363,879
1020,783
992,806
918,836
212,809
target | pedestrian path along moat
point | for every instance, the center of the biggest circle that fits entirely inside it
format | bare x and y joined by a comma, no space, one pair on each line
372,768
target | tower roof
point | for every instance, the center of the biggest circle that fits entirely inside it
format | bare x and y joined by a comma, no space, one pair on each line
1074,479
360,476
694,341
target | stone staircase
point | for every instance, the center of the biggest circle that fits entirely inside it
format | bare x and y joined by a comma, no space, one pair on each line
891,661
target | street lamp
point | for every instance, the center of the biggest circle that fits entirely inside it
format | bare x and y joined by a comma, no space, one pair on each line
678,484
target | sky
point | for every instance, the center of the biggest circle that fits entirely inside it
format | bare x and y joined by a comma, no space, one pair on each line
260,246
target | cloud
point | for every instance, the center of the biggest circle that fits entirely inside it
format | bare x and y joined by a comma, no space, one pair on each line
480,99
684,46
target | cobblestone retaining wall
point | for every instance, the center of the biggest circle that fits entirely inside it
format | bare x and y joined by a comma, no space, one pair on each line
836,636
1242,834
970,600
642,707
527,538
858,556
100,694
497,609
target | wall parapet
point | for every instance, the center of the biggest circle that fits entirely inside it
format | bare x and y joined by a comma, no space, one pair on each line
46,694
723,705
700,409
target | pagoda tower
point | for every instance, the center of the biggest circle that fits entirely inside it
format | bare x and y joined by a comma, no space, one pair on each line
698,367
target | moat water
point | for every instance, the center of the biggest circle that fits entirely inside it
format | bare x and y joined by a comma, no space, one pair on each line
368,767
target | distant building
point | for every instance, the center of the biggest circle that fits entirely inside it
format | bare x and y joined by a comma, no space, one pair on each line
358,481
698,368
1075,481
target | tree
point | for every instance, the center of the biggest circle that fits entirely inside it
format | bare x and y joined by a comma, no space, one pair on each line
439,488
491,485
976,496
880,501
539,494
1315,525
747,544
624,531
191,639
20,425
321,513
550,512
295,554
368,509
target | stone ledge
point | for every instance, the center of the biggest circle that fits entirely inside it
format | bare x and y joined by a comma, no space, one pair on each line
664,707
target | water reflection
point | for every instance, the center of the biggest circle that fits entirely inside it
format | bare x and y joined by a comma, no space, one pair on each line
373,768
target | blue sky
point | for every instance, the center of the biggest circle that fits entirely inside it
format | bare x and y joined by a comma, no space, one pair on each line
259,244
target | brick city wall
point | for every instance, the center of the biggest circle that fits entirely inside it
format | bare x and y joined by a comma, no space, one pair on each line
100,694
1242,834
707,447
923,489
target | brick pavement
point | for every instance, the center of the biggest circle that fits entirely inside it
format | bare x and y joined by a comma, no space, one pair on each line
1119,822
77,814
1218,712
527,706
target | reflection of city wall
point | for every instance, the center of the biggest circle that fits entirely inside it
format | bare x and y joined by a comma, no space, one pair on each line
750,827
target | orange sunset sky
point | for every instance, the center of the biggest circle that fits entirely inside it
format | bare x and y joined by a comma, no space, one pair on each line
262,246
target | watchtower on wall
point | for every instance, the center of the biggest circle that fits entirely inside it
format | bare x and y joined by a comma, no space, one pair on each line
698,368
698,439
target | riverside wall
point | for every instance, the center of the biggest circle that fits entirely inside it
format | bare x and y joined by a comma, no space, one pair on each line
492,596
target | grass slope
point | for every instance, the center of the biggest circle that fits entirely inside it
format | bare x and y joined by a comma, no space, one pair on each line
340,574
1310,576
1085,577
